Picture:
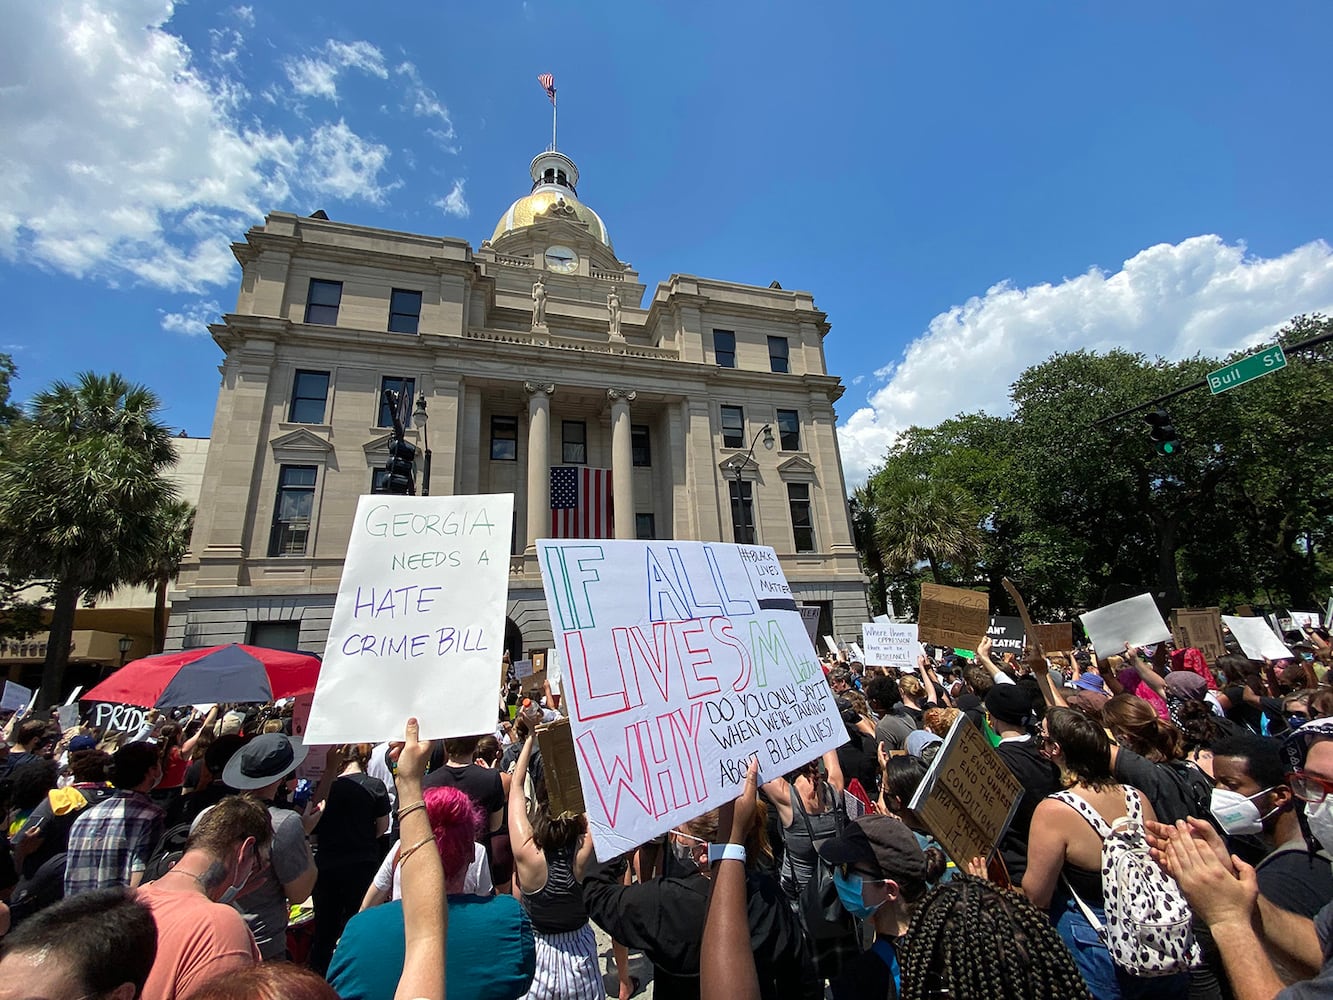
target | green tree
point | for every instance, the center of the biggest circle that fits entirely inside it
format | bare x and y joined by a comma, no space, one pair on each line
171,540
927,521
81,497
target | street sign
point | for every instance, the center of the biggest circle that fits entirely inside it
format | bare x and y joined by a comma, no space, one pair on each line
1246,370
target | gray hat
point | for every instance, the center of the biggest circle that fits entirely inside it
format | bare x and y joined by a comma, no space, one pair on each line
919,739
262,761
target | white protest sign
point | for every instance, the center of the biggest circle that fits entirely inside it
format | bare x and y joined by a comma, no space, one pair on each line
522,669
1305,619
891,645
883,620
858,654
1256,638
681,661
73,695
418,626
15,696
1135,621
67,716
553,666
832,646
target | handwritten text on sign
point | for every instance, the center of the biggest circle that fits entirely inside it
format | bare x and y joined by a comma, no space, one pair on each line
891,645
681,662
418,625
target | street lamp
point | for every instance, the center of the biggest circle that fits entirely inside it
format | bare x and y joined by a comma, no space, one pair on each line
740,517
737,465
124,643
419,417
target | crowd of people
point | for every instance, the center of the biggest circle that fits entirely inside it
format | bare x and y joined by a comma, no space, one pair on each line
1173,838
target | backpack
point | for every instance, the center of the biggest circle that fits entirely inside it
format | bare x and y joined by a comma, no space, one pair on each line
1147,928
170,848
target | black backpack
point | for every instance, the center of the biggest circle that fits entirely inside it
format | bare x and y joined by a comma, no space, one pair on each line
168,851
45,886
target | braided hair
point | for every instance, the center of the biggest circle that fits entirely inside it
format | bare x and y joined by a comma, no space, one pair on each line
973,939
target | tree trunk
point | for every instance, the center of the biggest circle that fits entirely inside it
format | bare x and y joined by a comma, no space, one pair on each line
1168,575
934,568
58,643
882,591
160,617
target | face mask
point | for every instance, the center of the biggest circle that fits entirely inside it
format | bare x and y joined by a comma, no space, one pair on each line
851,894
1237,814
1320,817
232,891
684,852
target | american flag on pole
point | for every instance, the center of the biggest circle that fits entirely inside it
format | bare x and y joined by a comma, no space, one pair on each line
581,502
548,84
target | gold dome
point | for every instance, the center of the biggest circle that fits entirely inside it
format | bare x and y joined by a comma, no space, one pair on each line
550,202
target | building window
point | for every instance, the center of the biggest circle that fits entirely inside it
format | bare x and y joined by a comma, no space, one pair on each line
644,528
789,430
403,387
310,394
777,355
404,311
639,445
379,480
802,524
724,348
322,301
291,513
274,635
742,512
733,427
504,439
574,442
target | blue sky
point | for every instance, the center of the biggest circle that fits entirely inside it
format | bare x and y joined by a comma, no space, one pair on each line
965,187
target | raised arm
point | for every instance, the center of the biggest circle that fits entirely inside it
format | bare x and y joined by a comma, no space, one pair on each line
425,905
520,829
1145,670
983,657
726,957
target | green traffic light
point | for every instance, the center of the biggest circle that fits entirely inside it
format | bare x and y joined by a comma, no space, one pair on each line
1168,447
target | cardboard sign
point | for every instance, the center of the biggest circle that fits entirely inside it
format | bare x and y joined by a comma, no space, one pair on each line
15,697
1256,639
1007,635
1058,636
810,618
682,661
1201,629
560,766
891,645
968,796
1135,621
1245,611
418,625
953,617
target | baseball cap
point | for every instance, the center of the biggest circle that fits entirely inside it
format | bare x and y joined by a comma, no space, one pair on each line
82,742
882,841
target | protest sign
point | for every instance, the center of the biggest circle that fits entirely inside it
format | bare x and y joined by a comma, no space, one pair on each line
1256,639
1305,619
1135,621
114,718
1245,611
891,645
312,768
858,654
67,716
1057,636
810,618
953,617
560,767
418,625
74,695
882,620
831,644
681,662
1201,629
1007,635
522,669
15,697
553,668
968,796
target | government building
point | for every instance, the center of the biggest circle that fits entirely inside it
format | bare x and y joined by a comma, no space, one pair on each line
529,365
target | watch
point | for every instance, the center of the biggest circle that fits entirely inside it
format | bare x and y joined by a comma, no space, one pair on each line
726,852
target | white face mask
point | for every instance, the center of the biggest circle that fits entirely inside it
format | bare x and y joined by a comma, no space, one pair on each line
1320,817
1237,814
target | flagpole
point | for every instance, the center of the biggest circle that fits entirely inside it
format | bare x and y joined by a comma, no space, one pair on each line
553,100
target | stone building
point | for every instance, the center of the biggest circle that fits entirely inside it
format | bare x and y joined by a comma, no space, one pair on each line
710,404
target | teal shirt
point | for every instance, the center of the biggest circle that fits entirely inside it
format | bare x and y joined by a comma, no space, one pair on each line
490,954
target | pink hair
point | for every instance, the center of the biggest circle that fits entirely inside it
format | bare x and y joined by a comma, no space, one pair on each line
456,821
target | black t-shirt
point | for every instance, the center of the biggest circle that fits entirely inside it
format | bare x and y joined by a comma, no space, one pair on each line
858,759
865,977
1175,791
1039,778
1297,881
482,784
347,833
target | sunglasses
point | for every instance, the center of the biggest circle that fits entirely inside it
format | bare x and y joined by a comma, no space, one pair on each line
1308,787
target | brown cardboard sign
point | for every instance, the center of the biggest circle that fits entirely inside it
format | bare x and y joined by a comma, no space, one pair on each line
1059,635
560,767
968,797
1244,611
953,617
1201,629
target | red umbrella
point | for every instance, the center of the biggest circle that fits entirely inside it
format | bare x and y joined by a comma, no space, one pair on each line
214,674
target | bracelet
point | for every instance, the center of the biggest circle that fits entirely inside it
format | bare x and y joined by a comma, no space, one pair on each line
726,852
404,855
404,813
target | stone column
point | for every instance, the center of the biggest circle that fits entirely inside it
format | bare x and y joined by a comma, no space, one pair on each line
539,463
622,461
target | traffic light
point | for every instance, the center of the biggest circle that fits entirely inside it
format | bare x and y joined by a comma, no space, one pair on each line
1164,438
401,468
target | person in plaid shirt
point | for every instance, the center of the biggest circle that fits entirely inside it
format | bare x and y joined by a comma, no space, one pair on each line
110,844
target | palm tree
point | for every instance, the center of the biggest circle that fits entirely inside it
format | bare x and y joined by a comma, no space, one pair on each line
81,497
925,521
864,509
175,522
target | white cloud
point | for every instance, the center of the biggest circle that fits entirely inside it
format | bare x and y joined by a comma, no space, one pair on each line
1171,300
193,319
317,75
245,15
344,165
425,103
124,158
454,203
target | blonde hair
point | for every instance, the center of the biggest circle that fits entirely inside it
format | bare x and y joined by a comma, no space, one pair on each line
910,687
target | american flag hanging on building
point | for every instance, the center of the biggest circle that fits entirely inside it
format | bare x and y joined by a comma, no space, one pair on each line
548,84
581,502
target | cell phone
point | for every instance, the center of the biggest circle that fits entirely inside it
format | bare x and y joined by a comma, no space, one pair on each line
302,796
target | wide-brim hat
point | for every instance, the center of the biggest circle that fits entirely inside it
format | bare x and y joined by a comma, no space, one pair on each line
262,761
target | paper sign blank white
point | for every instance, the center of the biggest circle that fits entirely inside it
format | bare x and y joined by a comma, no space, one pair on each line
418,625
73,695
1256,638
68,716
832,646
1135,621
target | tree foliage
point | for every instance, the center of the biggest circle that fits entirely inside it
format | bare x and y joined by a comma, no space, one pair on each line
1082,513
